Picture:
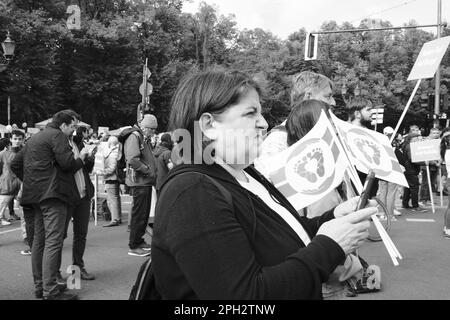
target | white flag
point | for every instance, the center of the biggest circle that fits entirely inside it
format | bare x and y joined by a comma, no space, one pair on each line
310,168
369,149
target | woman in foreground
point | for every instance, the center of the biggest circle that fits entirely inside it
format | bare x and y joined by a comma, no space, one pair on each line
222,231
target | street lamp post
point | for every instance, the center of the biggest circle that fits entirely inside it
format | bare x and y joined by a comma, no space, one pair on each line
8,47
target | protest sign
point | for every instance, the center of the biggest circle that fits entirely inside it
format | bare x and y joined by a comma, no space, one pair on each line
33,130
429,59
427,150
103,130
425,67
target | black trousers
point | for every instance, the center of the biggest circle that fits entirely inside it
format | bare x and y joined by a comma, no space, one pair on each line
80,212
424,189
28,215
412,192
49,219
140,212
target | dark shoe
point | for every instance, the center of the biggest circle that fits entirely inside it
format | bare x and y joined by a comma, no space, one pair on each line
419,209
61,288
38,294
120,221
145,246
113,223
85,275
406,207
61,296
14,217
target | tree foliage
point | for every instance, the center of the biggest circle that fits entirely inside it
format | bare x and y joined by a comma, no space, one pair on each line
97,70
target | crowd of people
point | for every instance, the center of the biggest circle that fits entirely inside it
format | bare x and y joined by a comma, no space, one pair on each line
221,230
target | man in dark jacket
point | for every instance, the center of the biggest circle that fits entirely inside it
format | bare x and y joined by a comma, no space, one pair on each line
48,169
141,176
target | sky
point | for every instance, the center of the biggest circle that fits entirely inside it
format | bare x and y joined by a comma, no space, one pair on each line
283,17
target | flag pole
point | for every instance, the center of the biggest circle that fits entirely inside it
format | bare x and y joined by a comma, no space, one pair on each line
406,109
392,250
351,169
440,185
429,186
95,198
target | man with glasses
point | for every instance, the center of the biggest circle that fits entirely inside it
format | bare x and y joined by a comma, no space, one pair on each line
141,176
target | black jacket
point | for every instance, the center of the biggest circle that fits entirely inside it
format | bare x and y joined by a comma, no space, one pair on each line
48,168
205,247
162,155
87,169
411,168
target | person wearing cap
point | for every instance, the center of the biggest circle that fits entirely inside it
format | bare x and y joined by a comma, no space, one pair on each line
141,176
387,191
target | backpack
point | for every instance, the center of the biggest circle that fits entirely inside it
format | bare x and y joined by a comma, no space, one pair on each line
121,169
122,163
145,286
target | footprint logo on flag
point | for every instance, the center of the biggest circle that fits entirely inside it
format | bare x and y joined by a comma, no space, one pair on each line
310,168
315,157
369,150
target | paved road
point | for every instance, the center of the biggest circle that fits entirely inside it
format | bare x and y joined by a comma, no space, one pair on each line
422,274
424,271
106,257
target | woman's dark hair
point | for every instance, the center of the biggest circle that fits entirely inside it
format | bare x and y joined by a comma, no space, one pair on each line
303,117
209,91
166,141
78,138
81,130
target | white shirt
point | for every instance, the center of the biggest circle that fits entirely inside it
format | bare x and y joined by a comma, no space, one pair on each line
258,189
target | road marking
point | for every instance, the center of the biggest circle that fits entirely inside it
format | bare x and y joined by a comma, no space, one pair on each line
12,230
420,220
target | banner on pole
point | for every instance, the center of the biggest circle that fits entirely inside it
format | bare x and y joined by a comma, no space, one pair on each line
103,130
429,59
33,130
310,168
369,149
426,150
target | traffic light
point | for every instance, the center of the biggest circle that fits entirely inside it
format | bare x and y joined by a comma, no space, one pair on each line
311,46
